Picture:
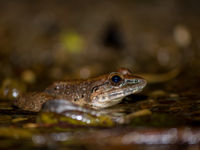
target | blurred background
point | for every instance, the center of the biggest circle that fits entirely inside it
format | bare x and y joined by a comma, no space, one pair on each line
44,41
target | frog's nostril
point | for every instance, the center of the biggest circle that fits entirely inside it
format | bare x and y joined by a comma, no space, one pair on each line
136,81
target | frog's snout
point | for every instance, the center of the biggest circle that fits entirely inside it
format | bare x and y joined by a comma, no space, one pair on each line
142,82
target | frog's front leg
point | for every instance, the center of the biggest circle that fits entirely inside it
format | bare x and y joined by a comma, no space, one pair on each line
61,111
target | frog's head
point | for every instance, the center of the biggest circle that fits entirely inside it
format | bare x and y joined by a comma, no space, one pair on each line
116,86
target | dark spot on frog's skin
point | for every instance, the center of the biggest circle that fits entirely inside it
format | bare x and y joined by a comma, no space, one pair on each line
95,89
75,99
56,88
82,96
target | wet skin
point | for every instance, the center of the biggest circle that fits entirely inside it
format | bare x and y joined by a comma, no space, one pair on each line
90,94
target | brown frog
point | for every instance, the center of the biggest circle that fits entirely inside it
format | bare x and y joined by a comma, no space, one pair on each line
99,92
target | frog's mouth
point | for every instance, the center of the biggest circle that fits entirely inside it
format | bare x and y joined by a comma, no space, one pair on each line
116,94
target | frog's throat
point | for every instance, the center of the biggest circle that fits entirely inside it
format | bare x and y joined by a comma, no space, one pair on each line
115,96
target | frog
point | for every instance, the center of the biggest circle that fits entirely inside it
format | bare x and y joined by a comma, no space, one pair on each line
84,95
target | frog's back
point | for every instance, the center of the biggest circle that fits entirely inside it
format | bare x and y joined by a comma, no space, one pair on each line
77,91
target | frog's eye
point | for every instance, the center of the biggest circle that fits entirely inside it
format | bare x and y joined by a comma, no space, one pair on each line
116,79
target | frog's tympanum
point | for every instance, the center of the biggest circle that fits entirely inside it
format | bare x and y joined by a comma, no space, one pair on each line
94,93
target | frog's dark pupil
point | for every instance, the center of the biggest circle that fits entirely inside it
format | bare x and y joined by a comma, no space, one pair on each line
116,79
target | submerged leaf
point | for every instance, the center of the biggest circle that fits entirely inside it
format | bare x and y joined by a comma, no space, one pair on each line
75,118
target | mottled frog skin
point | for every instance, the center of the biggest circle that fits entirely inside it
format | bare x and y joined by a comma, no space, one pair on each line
99,92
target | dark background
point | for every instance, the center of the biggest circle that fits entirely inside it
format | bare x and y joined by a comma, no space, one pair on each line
45,41
79,39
